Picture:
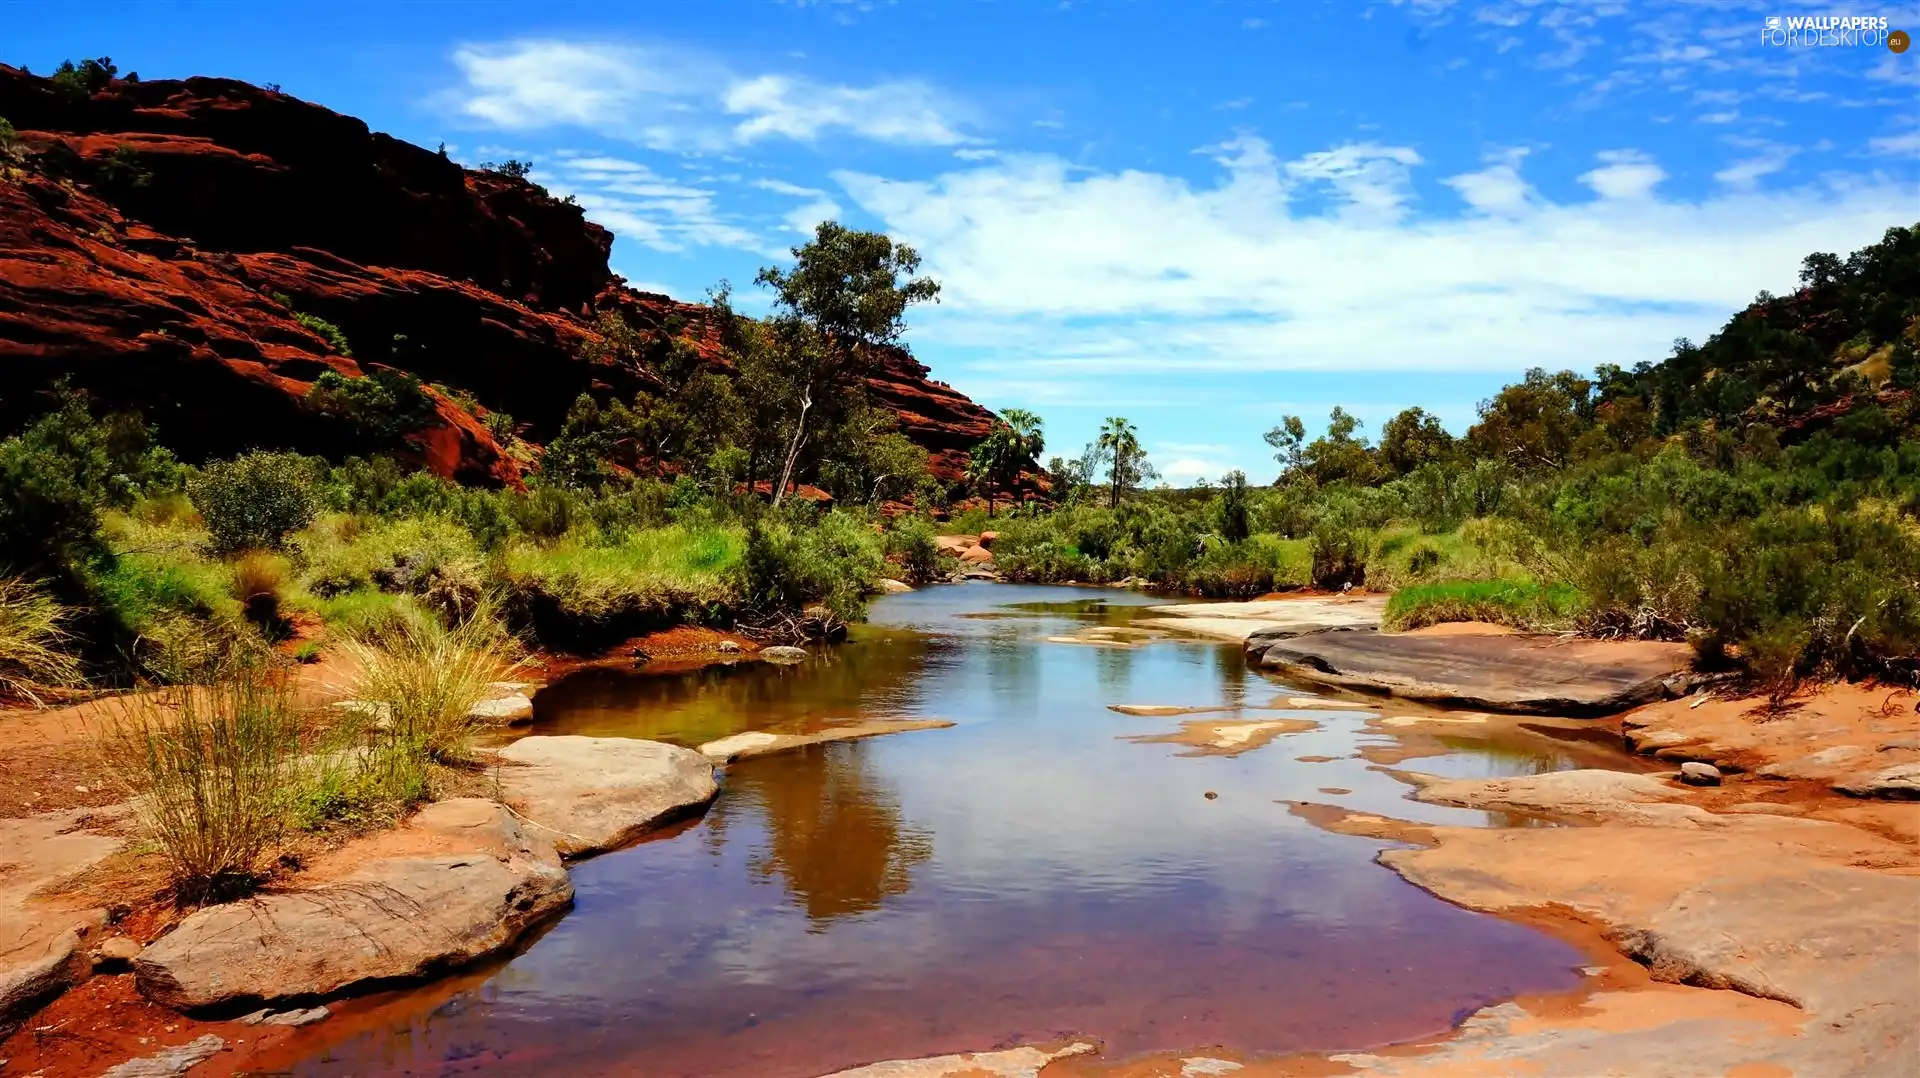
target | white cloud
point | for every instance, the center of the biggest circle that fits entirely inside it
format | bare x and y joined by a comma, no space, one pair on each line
1184,471
1497,188
1624,174
1083,273
1905,144
1745,173
642,206
676,99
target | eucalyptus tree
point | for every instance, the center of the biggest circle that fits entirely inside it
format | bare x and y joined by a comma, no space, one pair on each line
844,298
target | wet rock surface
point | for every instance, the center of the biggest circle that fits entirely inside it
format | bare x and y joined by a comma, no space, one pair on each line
764,743
395,918
1007,1063
1517,672
1810,913
592,794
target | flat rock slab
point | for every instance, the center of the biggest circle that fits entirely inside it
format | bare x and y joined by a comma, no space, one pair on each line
168,1062
1007,1063
1776,908
513,709
43,945
764,743
1272,619
1521,672
396,918
1216,737
592,794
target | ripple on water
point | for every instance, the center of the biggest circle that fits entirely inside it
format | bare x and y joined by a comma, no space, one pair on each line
1023,875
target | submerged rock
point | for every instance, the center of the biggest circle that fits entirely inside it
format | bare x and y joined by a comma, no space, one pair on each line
783,654
168,1062
1008,1063
395,918
592,794
765,743
890,586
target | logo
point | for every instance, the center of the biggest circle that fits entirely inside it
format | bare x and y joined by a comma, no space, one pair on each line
1830,31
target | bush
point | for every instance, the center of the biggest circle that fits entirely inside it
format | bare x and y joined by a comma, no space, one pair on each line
911,542
33,642
211,778
255,500
822,574
84,79
60,472
326,331
382,407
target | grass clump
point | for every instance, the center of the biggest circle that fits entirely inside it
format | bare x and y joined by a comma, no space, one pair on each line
211,770
1523,604
416,688
33,642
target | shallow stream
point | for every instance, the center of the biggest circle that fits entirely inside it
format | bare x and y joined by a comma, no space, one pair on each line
1023,875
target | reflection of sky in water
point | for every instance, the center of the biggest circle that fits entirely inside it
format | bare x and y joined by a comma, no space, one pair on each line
1023,874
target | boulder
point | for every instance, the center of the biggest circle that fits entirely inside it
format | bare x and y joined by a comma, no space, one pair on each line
115,952
890,586
396,918
516,708
1695,773
976,555
783,654
1900,782
592,794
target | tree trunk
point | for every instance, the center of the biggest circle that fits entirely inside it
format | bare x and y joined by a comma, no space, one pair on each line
793,449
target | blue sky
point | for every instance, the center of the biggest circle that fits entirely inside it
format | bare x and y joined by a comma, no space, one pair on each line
1202,216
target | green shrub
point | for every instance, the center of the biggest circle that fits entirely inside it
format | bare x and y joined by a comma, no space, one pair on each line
911,541
60,472
382,407
255,500
326,331
786,571
84,79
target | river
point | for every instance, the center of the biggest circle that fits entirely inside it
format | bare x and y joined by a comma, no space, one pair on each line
1026,874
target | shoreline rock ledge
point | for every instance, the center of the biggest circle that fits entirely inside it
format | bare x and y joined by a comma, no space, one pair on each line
593,794
396,918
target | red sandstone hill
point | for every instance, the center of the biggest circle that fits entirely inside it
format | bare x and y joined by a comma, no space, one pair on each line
142,258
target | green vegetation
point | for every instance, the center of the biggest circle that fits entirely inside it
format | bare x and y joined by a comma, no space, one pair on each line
32,642
326,331
86,78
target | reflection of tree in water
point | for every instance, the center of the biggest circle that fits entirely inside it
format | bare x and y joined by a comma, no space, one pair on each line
881,674
834,833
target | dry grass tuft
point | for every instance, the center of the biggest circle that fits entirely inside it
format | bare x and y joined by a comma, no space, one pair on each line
32,641
211,770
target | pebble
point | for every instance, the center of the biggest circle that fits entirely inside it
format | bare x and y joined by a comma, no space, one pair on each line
1211,795
1695,773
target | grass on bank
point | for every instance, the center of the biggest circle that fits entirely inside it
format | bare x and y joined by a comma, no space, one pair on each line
1520,603
33,642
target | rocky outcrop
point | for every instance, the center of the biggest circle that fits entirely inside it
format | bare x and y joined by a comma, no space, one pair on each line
141,254
1814,914
395,918
592,794
1260,623
1525,673
43,944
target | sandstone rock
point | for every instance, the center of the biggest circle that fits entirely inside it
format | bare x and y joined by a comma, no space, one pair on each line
304,1016
516,708
1694,773
592,794
976,555
987,538
1587,793
1265,620
169,1062
1824,764
1009,1063
43,946
395,918
891,586
763,743
728,647
116,951
783,654
1900,782
1519,672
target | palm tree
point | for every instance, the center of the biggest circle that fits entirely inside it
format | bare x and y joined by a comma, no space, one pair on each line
1119,444
1024,442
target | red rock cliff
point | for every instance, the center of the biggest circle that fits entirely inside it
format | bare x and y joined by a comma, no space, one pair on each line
145,257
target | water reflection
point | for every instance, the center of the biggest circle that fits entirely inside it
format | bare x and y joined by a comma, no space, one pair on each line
834,834
1022,875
